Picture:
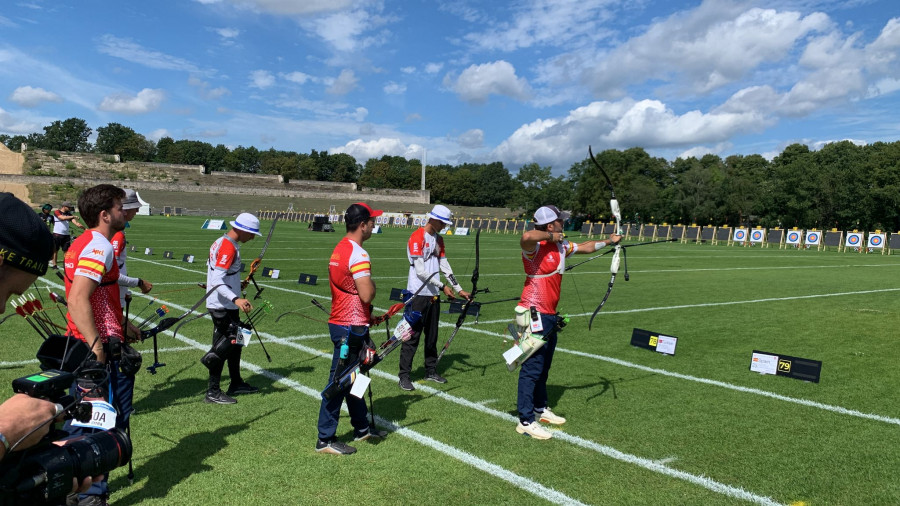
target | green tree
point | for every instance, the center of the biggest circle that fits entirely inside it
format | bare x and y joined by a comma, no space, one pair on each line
69,135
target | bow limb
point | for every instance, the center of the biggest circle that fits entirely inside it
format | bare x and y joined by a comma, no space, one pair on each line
258,261
469,301
167,323
617,249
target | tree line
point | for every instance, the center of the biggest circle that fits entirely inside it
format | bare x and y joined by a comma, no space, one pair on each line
842,185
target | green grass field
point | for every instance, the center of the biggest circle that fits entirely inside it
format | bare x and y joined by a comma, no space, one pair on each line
643,428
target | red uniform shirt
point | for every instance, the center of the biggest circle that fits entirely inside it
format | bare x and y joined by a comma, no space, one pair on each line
91,256
349,261
543,271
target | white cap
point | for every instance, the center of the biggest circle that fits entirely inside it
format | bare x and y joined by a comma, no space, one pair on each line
548,214
246,222
131,200
441,213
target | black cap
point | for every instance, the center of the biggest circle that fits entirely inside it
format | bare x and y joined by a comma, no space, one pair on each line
25,242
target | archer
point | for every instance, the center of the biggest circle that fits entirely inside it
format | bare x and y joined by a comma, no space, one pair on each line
224,270
544,253
426,254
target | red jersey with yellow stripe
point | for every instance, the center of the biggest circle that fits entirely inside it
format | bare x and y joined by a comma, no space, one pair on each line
349,261
543,275
92,256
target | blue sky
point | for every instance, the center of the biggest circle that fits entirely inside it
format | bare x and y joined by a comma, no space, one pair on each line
465,81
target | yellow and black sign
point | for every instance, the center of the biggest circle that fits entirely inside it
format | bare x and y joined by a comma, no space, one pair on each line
784,365
795,367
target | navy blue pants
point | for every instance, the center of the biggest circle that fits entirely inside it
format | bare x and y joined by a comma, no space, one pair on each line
533,373
330,410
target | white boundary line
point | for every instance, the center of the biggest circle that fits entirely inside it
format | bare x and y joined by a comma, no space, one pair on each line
521,482
794,400
706,381
703,481
713,304
651,465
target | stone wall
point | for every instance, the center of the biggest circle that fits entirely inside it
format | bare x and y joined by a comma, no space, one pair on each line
10,162
88,169
416,196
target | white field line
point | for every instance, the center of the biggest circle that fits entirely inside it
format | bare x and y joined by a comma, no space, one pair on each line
478,463
711,382
703,481
738,388
708,483
526,484
730,303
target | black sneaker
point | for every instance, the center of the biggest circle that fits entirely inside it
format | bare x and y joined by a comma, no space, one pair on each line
362,436
219,397
435,377
407,385
242,388
334,447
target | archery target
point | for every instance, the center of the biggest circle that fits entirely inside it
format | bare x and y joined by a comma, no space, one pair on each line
853,239
876,240
793,237
740,234
813,237
756,236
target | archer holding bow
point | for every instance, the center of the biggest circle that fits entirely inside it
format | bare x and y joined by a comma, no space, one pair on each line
224,272
426,254
352,293
544,253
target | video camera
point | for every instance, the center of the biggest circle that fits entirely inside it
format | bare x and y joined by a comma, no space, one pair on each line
43,474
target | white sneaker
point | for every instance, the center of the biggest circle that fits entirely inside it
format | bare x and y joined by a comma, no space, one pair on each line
534,430
548,416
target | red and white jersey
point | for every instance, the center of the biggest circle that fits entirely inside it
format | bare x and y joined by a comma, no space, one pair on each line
61,227
223,268
543,274
430,248
91,256
349,261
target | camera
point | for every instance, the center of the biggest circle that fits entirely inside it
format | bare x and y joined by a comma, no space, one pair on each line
43,474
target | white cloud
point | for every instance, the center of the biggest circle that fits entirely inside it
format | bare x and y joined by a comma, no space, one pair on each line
135,53
261,79
344,83
359,114
205,91
408,70
228,33
433,68
698,50
392,88
26,96
364,150
472,139
17,126
545,22
477,82
351,29
158,134
621,124
145,101
297,77
413,117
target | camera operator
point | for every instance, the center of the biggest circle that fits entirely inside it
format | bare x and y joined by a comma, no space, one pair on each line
25,247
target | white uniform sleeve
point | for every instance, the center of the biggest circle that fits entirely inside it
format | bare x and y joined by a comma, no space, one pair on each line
448,273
